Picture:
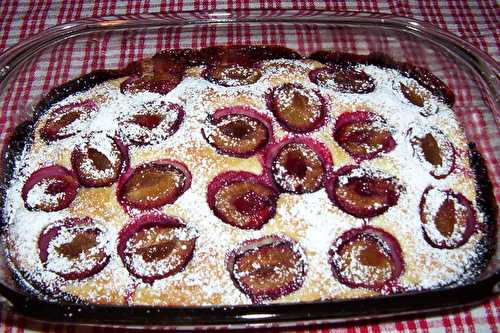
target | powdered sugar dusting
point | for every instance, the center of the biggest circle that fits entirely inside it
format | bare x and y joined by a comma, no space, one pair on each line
310,219
38,194
102,143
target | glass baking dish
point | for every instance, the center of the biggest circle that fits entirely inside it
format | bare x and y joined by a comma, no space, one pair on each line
31,68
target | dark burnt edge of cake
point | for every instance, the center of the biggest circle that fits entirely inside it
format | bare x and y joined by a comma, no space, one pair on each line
245,54
22,136
487,205
33,288
420,74
79,84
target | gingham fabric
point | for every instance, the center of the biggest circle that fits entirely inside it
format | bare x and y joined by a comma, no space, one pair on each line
476,22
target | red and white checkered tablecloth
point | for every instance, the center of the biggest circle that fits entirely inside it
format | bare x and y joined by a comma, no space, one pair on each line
475,21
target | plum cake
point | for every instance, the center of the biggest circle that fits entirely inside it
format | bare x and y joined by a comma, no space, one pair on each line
240,175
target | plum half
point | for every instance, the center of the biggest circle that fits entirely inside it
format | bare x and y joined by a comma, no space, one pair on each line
346,79
267,268
151,123
367,258
417,95
67,120
154,246
242,199
362,192
238,131
160,75
232,74
363,135
99,160
298,165
297,108
135,84
433,149
448,218
50,189
73,248
152,185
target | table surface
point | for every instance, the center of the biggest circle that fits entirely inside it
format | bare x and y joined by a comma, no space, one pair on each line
476,22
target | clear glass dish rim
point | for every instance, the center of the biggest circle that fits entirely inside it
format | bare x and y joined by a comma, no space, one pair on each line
256,315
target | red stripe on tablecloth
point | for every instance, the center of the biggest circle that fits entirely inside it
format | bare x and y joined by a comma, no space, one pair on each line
129,6
317,39
469,321
237,34
86,54
213,35
408,46
437,14
5,9
399,325
160,36
101,9
137,6
272,34
132,47
300,39
26,21
194,40
447,323
460,19
177,38
142,41
282,35
457,320
490,317
66,51
428,11
492,22
7,117
340,5
35,12
310,45
365,6
103,54
69,53
62,10
124,46
203,36
471,21
6,22
42,21
56,73
45,12
496,307
375,328
237,28
265,34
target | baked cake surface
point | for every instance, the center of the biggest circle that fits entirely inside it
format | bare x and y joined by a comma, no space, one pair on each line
246,175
